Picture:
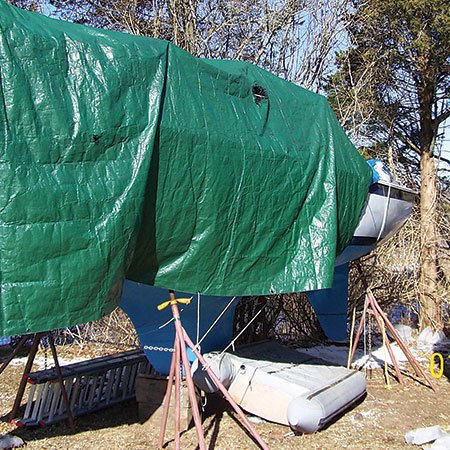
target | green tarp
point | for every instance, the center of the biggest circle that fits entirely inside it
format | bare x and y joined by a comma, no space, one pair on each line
125,156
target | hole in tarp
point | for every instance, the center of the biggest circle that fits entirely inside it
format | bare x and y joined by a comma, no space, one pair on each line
259,94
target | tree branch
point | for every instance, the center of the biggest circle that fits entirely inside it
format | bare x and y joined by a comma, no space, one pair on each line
441,118
441,158
407,141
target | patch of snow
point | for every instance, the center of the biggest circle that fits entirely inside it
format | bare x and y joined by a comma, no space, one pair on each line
40,361
331,353
368,414
338,355
430,338
255,419
405,332
8,441
442,443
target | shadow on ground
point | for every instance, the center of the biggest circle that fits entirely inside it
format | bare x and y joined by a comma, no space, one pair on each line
125,413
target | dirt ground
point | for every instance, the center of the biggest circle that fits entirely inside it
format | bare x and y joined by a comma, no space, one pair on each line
380,421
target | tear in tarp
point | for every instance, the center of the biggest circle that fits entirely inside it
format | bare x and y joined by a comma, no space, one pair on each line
125,156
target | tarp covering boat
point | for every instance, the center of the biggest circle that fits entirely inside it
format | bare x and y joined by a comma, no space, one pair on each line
124,156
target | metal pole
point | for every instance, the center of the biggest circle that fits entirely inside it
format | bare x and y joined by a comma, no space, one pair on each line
190,383
173,365
419,371
177,394
26,371
388,346
352,330
14,352
224,391
61,383
358,333
184,339
415,365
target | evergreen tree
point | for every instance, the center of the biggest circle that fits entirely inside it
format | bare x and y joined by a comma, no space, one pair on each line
393,87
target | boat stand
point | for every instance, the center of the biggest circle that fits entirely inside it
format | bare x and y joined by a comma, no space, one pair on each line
372,307
23,382
180,356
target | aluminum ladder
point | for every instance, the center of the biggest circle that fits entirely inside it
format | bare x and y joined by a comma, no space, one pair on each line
90,385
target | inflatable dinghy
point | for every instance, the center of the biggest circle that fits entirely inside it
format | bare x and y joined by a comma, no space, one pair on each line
283,385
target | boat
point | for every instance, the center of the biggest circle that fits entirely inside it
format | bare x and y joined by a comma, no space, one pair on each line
388,207
267,379
168,171
282,385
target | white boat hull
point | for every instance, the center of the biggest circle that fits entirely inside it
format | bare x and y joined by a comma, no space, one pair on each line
388,207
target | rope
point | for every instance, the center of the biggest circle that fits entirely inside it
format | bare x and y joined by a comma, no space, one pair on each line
166,323
198,319
214,323
215,358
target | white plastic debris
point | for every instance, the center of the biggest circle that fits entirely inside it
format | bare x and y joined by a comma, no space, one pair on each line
8,441
421,436
430,337
442,443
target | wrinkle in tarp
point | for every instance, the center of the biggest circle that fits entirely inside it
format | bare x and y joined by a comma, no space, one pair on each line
126,157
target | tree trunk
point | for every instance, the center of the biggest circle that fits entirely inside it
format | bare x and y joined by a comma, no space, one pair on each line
184,21
190,25
430,313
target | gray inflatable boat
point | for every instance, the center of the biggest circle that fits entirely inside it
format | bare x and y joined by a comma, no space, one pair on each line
283,385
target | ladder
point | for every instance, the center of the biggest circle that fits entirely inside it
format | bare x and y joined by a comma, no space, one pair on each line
90,385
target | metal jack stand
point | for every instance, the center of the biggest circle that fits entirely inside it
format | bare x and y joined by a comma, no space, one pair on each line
372,307
23,382
180,355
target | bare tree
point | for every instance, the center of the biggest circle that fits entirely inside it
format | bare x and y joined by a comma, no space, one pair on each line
294,39
323,34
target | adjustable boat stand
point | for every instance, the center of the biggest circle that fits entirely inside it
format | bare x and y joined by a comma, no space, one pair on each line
371,306
23,382
180,355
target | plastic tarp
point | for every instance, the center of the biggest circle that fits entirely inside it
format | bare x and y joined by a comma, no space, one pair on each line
126,157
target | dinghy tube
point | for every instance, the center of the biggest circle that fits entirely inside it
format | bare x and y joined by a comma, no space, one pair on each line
223,368
309,413
306,397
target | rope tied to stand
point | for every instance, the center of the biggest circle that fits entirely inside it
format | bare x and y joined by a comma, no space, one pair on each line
174,301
